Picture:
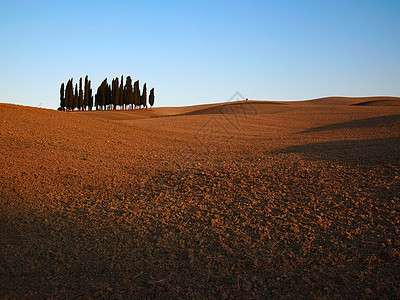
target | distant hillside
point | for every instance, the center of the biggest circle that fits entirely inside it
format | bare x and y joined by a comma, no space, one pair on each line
383,102
377,100
236,107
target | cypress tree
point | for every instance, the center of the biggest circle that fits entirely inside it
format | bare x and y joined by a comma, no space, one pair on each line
70,94
96,100
116,92
109,97
113,93
80,96
90,95
67,101
128,93
143,98
76,97
98,94
86,96
72,103
151,97
62,97
106,96
136,94
103,96
122,100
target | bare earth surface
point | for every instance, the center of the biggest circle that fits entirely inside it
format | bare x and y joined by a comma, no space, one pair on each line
237,200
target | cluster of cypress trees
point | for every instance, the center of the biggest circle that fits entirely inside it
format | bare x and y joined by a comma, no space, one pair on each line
108,96
71,99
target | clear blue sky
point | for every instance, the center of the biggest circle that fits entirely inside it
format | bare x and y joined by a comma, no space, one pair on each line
196,52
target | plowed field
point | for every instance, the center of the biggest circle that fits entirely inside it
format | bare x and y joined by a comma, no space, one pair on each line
239,200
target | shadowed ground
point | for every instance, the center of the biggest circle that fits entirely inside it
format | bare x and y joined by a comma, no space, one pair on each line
360,152
362,123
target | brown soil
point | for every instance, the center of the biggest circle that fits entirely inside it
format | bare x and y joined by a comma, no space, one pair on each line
246,201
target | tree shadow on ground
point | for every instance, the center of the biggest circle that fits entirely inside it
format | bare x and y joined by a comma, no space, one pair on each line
363,123
370,152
